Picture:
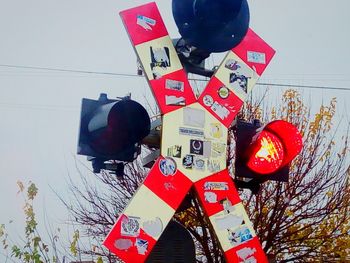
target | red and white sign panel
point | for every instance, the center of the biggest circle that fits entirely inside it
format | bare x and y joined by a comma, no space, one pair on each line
194,143
158,57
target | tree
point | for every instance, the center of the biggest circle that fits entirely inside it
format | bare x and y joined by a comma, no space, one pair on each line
96,202
32,247
304,220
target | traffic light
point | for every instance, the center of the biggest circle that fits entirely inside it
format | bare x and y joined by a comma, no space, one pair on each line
208,26
212,26
264,153
111,130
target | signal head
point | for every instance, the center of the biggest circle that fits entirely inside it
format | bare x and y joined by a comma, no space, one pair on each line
212,26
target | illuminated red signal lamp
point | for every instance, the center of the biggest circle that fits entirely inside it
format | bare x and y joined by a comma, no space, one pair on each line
275,146
265,153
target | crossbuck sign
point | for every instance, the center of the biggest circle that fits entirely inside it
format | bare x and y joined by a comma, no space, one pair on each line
193,145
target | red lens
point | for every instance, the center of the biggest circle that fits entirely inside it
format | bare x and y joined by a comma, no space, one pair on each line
267,154
289,135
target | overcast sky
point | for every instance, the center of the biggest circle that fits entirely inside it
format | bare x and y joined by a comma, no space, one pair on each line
39,110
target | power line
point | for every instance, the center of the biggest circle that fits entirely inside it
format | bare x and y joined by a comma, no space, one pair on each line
69,70
302,86
293,85
38,107
135,75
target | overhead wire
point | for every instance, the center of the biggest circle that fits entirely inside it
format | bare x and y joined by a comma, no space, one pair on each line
136,75
69,70
38,107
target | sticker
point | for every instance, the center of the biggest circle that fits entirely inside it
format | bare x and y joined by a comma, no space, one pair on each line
245,253
160,58
199,164
153,228
130,226
208,100
174,85
216,130
213,166
146,22
187,161
167,167
196,147
241,235
175,151
216,186
141,245
232,64
220,110
256,57
173,100
217,149
206,149
223,92
227,206
239,81
123,244
210,197
228,222
191,132
194,117
249,260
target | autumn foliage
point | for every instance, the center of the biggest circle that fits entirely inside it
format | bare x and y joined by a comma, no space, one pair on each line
304,220
308,218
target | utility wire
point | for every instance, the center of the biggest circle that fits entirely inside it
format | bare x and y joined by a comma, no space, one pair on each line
69,70
302,86
196,79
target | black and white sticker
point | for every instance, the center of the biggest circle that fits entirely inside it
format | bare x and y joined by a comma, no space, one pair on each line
130,226
187,161
175,151
191,132
175,85
196,147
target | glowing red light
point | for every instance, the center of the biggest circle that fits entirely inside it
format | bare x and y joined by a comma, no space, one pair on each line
289,136
267,153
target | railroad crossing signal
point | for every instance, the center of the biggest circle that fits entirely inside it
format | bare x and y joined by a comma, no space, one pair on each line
264,153
108,130
194,143
226,23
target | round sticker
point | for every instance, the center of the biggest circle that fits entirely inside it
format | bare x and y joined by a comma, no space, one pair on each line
167,167
130,226
199,164
216,130
223,92
208,100
196,144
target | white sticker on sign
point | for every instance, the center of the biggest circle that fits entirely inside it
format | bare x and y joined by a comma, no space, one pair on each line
245,252
194,117
175,85
256,57
146,22
220,110
173,100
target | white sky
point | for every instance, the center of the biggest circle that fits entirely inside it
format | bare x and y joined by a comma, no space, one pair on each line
39,110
